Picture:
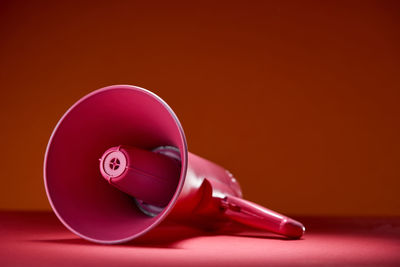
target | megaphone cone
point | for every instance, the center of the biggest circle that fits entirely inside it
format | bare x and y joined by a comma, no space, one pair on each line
145,172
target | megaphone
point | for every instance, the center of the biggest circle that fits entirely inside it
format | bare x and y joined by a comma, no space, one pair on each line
117,164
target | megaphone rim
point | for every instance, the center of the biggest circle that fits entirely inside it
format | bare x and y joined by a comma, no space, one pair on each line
184,162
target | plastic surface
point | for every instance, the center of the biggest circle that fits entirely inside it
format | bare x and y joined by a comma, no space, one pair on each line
149,177
251,214
203,194
84,201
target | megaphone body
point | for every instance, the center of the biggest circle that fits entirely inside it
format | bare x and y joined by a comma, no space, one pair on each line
117,165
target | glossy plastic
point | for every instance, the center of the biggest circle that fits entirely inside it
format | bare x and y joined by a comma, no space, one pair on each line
205,194
148,176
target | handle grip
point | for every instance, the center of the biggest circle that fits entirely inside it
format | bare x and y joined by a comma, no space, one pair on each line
251,214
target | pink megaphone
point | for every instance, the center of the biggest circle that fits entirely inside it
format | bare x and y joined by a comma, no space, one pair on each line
117,165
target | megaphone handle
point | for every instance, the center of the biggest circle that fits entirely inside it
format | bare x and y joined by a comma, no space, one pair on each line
251,214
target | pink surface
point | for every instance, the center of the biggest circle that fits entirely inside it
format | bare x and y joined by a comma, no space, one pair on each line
136,121
39,239
108,117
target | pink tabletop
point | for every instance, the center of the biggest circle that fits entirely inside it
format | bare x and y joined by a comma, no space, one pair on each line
39,239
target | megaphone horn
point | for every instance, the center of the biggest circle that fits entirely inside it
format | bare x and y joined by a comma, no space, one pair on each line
117,164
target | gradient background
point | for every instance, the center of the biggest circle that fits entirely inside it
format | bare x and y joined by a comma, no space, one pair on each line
300,100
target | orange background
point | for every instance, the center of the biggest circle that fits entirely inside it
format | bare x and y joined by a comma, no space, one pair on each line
300,100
